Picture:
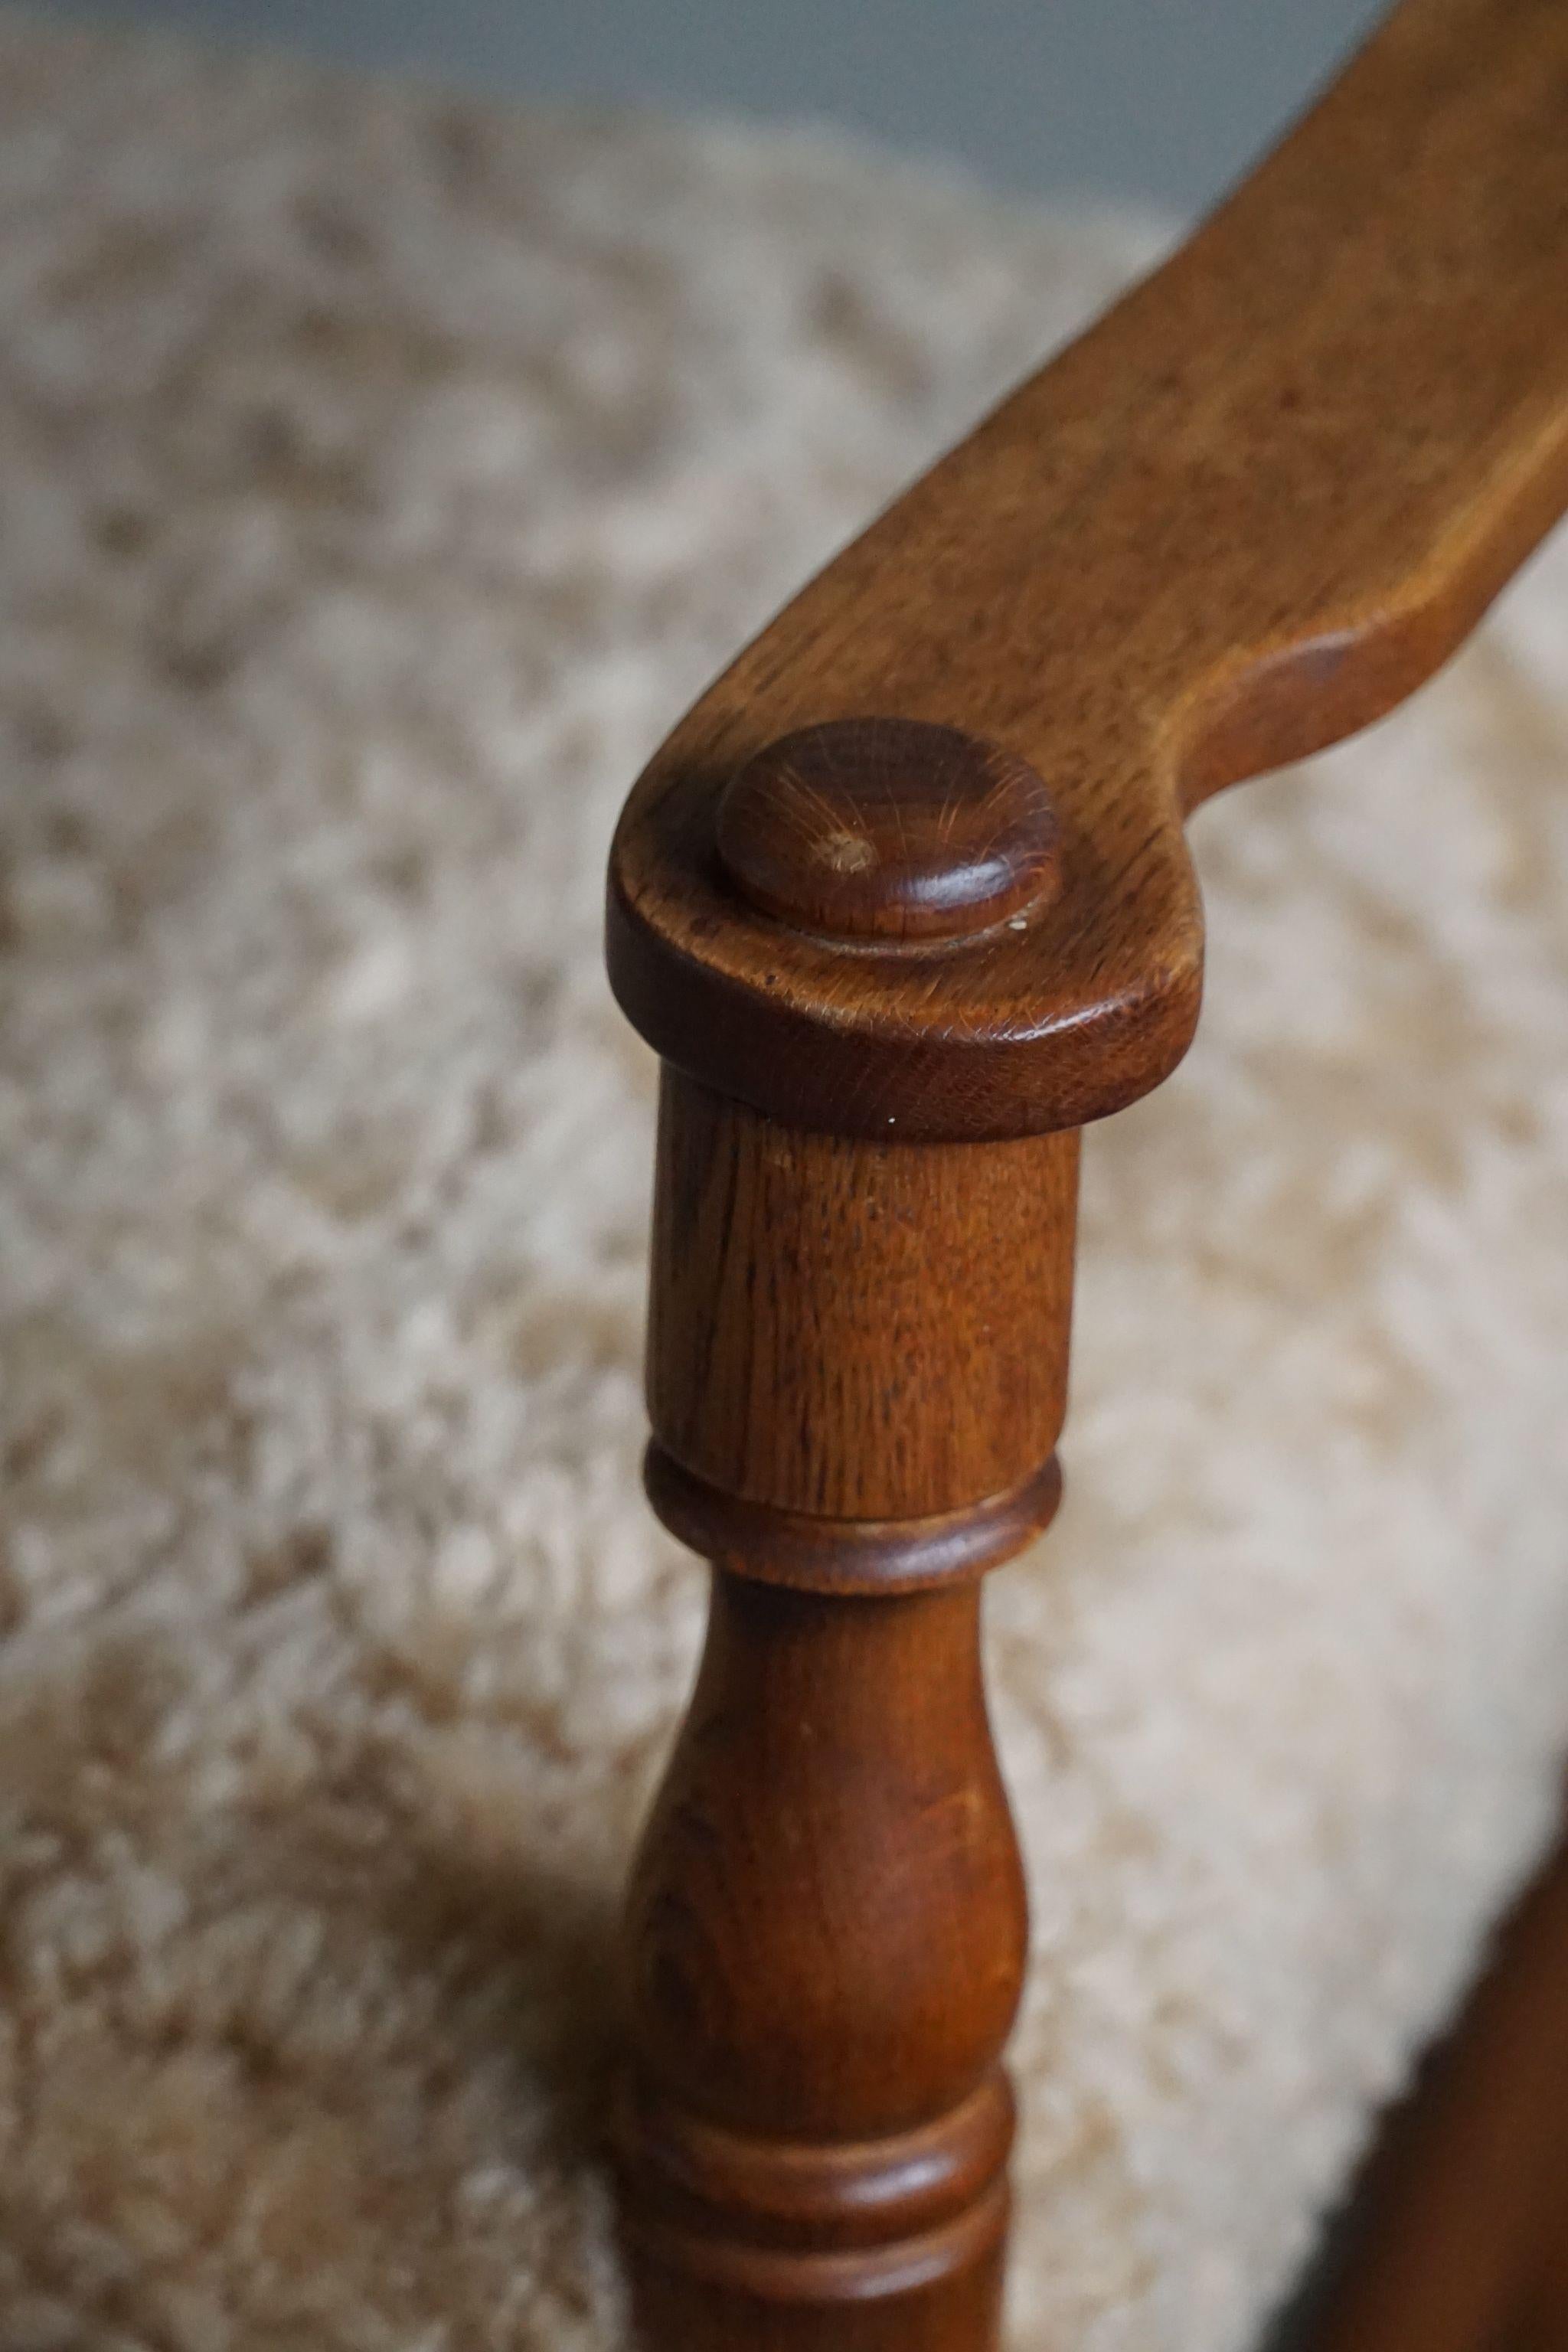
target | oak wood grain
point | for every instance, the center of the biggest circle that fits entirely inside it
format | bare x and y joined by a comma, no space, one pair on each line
857,1373
904,902
1248,511
825,1941
859,1330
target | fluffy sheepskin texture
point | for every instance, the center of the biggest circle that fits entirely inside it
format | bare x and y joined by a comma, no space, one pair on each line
379,476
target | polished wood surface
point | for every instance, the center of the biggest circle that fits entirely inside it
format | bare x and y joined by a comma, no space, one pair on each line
824,1942
863,1330
819,1555
857,1361
887,829
1248,511
904,902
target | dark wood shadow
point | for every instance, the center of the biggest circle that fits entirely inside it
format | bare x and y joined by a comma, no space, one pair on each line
1455,2238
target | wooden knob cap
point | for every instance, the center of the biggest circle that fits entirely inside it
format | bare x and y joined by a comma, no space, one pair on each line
889,829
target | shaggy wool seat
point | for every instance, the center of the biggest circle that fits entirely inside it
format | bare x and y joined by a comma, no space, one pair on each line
378,476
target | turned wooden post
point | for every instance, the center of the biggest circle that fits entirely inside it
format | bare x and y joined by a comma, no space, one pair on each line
892,965
857,1372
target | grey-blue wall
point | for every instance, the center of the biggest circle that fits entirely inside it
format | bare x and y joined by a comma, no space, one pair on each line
1154,98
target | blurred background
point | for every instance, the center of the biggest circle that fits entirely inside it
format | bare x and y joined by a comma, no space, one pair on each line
1164,100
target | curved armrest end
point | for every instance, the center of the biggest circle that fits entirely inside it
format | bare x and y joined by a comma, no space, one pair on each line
1249,511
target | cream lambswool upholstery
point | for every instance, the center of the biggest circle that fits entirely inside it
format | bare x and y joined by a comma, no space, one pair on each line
378,476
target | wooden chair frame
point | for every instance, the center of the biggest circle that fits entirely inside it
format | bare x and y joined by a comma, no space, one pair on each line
902,903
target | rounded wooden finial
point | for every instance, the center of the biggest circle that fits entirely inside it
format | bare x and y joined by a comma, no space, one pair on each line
889,829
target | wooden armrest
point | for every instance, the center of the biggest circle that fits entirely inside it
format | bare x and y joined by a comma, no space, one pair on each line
1246,513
